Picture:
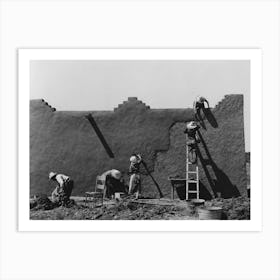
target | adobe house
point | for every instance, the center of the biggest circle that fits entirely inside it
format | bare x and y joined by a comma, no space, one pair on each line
64,141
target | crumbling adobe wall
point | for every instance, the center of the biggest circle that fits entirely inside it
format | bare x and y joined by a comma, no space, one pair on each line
222,166
65,142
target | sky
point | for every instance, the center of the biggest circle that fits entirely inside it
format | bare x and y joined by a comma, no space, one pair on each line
102,85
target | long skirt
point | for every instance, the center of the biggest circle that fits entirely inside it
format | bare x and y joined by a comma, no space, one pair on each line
134,184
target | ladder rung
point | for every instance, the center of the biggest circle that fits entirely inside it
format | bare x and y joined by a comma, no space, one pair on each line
192,191
192,181
193,172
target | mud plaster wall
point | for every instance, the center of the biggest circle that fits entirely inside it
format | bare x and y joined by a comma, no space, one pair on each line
66,143
222,161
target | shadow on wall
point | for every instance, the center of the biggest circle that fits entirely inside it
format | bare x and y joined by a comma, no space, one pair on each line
221,186
208,115
203,192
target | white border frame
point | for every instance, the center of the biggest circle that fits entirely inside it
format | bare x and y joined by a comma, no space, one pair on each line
24,58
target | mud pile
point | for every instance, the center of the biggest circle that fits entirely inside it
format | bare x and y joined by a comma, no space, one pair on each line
42,202
126,210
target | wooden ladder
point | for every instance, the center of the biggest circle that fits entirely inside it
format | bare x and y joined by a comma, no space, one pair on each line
192,176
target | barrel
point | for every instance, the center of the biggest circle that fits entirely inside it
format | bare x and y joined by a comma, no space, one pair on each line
210,213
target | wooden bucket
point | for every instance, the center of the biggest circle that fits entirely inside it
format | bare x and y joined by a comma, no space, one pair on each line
210,213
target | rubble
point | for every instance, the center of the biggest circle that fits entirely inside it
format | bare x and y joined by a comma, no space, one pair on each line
42,202
130,209
124,210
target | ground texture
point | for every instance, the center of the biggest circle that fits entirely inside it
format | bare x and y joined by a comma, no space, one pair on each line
234,208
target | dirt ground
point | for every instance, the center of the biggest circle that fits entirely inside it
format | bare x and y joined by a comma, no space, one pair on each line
142,209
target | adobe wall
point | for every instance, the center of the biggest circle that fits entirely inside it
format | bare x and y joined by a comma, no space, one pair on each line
222,161
66,143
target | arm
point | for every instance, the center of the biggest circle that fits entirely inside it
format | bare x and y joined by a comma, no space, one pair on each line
194,106
139,158
105,174
204,100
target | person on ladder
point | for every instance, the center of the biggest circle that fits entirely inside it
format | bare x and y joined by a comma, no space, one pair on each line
191,130
199,104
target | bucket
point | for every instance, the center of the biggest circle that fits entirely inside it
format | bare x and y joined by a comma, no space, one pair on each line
210,213
198,202
119,195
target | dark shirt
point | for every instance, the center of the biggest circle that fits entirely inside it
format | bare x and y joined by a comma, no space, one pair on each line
134,168
192,133
199,105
